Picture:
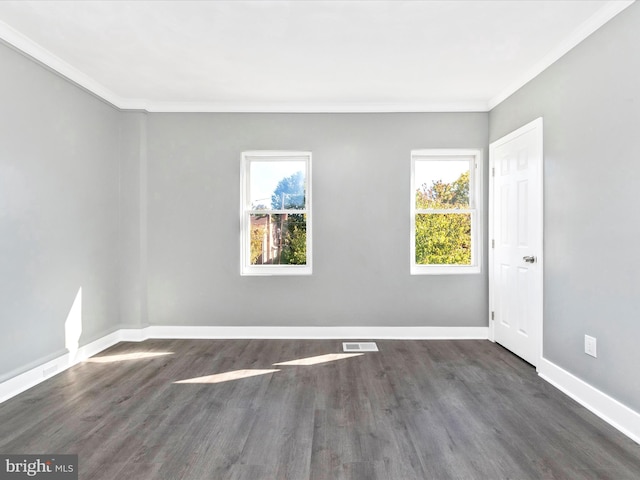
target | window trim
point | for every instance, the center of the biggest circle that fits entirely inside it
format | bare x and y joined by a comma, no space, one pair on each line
475,209
247,157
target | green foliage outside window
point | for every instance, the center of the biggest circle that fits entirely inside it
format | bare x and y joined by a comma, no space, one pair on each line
257,236
443,238
294,241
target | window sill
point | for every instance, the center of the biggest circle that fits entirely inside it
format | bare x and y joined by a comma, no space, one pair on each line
444,270
275,270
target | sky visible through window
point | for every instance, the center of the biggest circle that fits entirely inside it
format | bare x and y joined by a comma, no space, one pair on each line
429,171
264,177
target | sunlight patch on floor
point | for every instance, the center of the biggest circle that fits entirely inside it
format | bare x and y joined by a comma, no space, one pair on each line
126,356
228,376
329,357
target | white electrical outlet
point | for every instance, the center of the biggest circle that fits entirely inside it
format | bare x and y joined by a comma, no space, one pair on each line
590,346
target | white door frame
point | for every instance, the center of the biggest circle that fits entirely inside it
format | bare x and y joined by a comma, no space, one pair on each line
536,125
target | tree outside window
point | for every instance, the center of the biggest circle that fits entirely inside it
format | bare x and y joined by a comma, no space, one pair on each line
276,213
444,211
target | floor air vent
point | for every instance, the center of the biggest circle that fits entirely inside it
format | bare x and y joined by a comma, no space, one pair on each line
359,347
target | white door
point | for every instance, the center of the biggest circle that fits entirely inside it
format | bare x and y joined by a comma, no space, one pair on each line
515,249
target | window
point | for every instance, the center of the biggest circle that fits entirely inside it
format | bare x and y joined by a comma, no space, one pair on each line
445,211
276,213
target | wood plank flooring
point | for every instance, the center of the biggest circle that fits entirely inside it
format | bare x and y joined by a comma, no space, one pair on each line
414,410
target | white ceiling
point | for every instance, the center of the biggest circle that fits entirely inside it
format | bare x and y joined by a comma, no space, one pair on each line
301,55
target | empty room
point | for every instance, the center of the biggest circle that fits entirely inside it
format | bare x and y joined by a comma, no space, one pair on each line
319,240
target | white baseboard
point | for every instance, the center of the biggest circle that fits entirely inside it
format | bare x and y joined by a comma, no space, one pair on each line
348,333
613,412
609,409
32,377
134,334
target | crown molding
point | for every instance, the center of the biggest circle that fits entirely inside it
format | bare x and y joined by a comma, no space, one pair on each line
28,47
213,107
32,49
593,23
43,56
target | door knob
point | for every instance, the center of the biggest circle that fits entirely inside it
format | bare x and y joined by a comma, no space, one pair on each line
529,259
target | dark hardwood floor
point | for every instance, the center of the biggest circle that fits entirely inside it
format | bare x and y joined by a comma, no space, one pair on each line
414,410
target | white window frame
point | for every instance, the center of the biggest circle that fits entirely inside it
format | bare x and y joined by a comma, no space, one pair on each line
475,210
249,157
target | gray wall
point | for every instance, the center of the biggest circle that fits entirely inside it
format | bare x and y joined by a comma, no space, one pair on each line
58,212
590,101
141,212
361,192
132,215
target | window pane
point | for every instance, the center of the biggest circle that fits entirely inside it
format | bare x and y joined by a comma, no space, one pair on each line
278,239
442,183
443,239
277,185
